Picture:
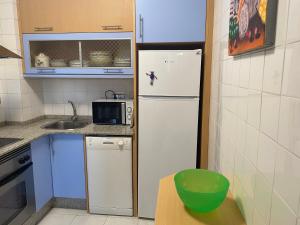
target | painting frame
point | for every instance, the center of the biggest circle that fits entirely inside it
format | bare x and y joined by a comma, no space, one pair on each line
252,25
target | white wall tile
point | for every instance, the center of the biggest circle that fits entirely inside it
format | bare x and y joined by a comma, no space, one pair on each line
9,26
289,124
252,138
235,72
270,114
48,109
13,86
241,136
244,71
263,198
11,42
267,157
242,105
8,11
58,109
287,178
291,78
282,20
83,109
254,108
257,63
281,214
273,70
248,179
293,33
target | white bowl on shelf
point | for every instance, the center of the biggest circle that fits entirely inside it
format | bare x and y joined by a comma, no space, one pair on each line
58,63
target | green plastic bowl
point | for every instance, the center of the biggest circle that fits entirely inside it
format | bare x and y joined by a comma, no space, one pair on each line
201,190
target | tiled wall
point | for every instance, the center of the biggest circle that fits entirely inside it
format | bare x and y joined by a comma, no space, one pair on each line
21,99
255,120
82,92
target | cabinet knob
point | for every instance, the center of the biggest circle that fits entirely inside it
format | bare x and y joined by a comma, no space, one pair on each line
121,143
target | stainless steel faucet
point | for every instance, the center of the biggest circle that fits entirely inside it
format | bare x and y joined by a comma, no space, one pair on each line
75,116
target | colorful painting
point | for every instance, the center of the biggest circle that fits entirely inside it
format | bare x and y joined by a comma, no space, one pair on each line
252,25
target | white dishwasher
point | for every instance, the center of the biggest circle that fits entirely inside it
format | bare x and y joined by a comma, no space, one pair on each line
109,169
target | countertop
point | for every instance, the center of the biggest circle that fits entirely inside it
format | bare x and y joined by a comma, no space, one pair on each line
171,211
34,131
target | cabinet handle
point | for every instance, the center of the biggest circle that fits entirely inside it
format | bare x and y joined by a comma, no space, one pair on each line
46,71
113,71
141,27
43,29
113,27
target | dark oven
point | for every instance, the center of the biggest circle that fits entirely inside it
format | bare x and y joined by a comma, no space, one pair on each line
17,201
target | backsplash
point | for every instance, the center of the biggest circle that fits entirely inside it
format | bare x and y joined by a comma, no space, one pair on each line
82,92
255,120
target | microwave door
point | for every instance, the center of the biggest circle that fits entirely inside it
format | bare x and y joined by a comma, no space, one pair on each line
109,113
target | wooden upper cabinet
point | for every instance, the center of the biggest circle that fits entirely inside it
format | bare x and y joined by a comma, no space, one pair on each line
65,16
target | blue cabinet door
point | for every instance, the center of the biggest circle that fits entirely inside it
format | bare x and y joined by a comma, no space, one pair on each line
170,21
67,153
42,173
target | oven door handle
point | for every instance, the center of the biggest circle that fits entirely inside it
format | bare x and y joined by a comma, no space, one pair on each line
15,178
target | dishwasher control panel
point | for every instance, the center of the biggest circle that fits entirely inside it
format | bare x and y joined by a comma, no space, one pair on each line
109,143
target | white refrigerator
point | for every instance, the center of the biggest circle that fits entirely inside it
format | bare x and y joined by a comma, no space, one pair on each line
168,104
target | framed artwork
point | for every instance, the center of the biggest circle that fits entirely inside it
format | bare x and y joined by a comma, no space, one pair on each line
252,25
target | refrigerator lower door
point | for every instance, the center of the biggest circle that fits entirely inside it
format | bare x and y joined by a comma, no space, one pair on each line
167,135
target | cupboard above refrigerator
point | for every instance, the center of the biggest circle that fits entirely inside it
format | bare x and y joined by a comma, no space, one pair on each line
78,55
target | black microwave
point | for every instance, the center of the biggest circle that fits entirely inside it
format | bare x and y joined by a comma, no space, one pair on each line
112,111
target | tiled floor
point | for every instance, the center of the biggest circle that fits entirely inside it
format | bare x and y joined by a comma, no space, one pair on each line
80,217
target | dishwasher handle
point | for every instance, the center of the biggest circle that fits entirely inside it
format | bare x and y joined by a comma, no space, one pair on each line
108,143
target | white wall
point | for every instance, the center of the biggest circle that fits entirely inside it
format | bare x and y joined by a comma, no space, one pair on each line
82,92
21,99
255,120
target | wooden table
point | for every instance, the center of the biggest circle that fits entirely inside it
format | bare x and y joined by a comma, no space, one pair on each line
171,211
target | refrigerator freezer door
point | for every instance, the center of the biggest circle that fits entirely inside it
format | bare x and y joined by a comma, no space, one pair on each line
169,73
167,144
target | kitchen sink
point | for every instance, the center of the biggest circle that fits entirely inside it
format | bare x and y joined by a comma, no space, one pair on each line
66,125
7,141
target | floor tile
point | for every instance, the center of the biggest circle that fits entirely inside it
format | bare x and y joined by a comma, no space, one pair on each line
57,219
118,220
145,222
89,220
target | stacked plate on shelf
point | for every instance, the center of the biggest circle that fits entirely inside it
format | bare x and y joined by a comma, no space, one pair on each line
77,63
58,63
101,58
122,62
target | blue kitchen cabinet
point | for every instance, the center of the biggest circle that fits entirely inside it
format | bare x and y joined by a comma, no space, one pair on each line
42,173
67,153
170,21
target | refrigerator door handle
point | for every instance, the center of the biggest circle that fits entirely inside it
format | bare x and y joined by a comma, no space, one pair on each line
141,27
